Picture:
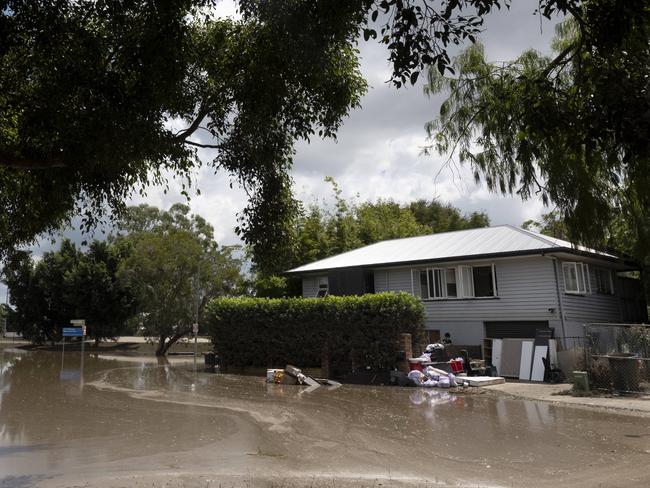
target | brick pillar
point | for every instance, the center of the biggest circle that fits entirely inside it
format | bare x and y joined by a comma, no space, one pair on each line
405,346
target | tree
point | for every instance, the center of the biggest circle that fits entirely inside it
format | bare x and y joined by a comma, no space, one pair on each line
172,267
97,98
438,217
572,129
67,284
97,294
320,231
551,225
40,293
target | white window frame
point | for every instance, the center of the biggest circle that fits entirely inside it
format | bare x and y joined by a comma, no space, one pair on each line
581,271
323,286
463,290
608,280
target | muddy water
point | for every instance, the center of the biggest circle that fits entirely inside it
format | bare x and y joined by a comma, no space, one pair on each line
133,422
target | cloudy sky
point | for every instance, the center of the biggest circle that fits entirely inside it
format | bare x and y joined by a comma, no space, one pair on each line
378,150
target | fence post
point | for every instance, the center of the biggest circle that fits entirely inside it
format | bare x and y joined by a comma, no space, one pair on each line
325,360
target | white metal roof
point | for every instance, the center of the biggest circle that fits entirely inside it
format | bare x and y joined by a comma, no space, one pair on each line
465,244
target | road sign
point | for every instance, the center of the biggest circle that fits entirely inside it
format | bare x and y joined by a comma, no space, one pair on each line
195,329
73,332
70,375
78,322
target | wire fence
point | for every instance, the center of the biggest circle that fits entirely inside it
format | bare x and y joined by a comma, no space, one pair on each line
617,357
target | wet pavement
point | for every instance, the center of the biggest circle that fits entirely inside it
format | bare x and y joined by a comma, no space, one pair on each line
128,421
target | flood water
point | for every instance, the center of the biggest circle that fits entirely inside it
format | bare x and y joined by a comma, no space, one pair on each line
128,421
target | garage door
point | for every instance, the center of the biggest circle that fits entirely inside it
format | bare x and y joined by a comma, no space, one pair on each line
514,329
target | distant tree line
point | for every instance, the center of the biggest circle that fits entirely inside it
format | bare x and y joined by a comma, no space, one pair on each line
153,275
321,231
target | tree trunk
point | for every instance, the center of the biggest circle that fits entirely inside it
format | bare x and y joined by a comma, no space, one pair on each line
161,350
163,346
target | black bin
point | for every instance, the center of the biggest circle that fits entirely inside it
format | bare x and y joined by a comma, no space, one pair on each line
625,372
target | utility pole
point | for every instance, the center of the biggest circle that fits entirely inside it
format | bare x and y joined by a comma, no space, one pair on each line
5,311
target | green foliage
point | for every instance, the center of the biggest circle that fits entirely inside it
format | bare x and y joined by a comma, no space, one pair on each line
67,284
173,267
98,99
271,287
161,266
552,224
438,217
572,129
320,231
89,91
274,332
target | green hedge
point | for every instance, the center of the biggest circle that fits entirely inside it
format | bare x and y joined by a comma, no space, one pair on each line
272,332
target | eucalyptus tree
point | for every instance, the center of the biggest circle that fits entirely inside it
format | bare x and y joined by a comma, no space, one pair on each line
172,266
100,98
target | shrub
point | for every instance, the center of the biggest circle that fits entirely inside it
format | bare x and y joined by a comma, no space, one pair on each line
271,287
361,330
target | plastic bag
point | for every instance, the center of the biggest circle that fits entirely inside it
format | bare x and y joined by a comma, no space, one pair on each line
417,377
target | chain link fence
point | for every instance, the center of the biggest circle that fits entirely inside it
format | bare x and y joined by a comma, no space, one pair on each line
617,357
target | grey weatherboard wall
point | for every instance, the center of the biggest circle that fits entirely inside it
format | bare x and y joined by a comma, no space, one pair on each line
526,292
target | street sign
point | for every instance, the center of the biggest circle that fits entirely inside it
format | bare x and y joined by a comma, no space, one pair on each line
195,329
78,322
70,375
73,331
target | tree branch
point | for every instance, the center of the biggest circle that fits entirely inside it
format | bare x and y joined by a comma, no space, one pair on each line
27,163
559,59
198,144
184,134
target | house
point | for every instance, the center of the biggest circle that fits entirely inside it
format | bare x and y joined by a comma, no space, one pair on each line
491,282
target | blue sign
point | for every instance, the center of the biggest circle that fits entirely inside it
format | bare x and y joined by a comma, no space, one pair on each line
70,375
73,332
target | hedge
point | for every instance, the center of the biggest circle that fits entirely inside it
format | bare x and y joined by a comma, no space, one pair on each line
360,331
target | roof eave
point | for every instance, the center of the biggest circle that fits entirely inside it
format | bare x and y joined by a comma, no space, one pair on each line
474,257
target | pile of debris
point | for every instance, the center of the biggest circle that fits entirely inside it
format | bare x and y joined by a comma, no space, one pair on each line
434,378
434,369
291,375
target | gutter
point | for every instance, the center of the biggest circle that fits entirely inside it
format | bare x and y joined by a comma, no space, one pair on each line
559,298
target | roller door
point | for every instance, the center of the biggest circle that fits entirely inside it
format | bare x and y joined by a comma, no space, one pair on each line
514,329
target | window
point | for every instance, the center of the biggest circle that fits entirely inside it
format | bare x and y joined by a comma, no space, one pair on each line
458,282
576,278
604,282
450,276
438,282
323,287
483,281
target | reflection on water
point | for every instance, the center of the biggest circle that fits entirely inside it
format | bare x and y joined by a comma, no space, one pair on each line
58,416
